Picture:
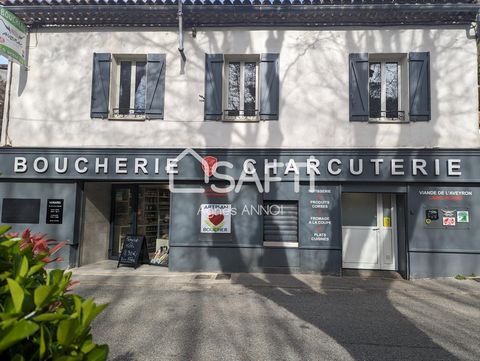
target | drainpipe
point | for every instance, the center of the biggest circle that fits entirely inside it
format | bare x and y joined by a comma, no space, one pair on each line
6,111
180,30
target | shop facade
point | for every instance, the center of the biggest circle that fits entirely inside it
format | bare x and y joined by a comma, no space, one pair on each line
321,211
280,138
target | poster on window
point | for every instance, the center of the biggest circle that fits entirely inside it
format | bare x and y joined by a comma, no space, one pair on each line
215,218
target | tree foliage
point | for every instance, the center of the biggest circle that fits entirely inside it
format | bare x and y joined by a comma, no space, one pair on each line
39,318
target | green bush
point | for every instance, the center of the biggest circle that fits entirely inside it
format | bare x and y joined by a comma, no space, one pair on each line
39,319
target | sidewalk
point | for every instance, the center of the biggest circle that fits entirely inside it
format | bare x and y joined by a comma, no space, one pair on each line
148,274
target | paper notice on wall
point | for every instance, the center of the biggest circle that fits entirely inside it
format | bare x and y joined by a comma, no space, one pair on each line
216,218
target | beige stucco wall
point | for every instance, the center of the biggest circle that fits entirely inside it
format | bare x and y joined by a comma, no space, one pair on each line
51,102
96,223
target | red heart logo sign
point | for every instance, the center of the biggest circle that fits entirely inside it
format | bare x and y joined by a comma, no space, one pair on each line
209,164
216,219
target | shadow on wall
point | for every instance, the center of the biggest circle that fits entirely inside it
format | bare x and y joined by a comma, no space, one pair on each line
359,331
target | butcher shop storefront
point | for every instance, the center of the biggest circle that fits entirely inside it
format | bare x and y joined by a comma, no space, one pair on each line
253,210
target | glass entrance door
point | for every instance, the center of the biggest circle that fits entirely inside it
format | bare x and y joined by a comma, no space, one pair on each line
123,221
369,240
142,210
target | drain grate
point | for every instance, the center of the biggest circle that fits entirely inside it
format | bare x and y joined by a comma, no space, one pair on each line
223,276
203,277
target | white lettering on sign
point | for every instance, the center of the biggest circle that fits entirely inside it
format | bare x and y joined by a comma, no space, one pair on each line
397,167
249,166
103,165
453,167
77,165
376,163
141,164
61,169
172,166
40,165
312,165
20,165
121,165
359,169
291,167
418,165
334,170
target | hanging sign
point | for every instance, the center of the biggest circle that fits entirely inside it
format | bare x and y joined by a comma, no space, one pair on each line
216,218
13,37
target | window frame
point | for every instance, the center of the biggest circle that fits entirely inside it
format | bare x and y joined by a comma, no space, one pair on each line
403,107
242,59
115,80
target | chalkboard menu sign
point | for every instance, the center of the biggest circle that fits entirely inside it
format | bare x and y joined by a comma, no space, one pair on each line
134,251
54,211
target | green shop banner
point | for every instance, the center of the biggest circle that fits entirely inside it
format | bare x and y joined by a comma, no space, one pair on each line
13,37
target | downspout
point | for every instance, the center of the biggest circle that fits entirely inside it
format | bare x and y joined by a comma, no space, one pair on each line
6,112
180,30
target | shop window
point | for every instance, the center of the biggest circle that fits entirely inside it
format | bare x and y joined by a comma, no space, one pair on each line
280,224
142,210
241,87
390,87
128,87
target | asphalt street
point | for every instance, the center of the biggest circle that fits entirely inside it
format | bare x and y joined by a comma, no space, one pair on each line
284,317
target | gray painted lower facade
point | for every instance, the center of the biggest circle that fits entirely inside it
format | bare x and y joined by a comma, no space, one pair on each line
436,226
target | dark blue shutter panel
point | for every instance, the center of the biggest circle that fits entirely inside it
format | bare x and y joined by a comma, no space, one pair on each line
155,91
269,86
358,87
213,86
100,85
419,86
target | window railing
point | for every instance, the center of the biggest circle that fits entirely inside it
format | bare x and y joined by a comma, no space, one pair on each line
119,113
389,115
241,115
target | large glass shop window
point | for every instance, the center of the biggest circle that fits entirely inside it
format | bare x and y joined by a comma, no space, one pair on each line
153,221
122,217
143,210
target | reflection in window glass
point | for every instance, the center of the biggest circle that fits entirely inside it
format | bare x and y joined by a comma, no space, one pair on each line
391,85
359,209
375,90
233,89
125,82
250,77
140,87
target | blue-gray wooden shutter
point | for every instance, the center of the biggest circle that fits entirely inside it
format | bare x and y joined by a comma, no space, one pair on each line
419,86
213,86
155,90
269,86
358,87
100,85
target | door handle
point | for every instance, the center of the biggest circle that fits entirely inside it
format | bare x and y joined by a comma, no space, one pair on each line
376,228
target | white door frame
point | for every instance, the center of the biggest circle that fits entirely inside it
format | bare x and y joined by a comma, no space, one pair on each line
384,239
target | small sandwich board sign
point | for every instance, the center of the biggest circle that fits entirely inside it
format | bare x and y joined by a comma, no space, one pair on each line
134,251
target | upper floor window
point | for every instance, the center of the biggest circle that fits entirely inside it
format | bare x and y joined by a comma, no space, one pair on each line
390,87
130,87
241,95
241,87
